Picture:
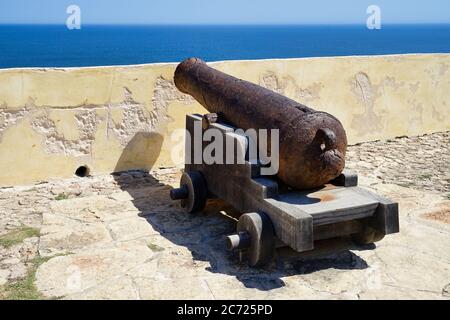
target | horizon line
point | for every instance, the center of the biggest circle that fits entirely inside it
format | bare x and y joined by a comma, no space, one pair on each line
222,24
229,25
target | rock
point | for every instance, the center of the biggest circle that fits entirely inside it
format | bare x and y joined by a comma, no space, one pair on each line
131,228
18,271
75,273
179,289
147,270
4,276
226,287
10,261
116,289
29,248
13,225
60,234
58,189
95,208
74,189
412,157
446,291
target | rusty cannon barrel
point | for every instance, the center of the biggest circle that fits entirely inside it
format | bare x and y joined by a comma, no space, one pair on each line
312,144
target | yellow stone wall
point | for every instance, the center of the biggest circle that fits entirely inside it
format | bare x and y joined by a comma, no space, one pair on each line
114,118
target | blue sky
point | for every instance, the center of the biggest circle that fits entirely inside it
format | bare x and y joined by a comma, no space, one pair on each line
224,11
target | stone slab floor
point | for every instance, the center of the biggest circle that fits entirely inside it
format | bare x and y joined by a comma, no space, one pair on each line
119,236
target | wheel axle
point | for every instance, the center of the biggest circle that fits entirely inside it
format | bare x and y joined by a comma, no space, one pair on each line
192,192
240,240
179,193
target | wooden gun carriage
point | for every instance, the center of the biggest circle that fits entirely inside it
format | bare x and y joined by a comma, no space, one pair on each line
272,212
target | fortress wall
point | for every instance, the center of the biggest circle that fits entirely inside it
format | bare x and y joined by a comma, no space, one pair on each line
54,120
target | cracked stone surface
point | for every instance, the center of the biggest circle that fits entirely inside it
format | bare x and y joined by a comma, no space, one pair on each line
419,162
121,237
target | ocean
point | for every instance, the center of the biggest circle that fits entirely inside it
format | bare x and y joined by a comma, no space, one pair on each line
57,46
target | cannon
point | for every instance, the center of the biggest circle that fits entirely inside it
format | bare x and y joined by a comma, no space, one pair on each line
312,144
312,197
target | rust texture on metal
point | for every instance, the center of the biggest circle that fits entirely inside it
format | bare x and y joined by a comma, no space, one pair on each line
312,143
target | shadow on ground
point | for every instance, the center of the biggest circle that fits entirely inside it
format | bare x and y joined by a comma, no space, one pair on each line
203,234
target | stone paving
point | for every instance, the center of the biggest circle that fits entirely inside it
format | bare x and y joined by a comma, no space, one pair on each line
418,162
120,237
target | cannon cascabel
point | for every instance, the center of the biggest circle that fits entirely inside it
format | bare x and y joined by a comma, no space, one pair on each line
312,144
